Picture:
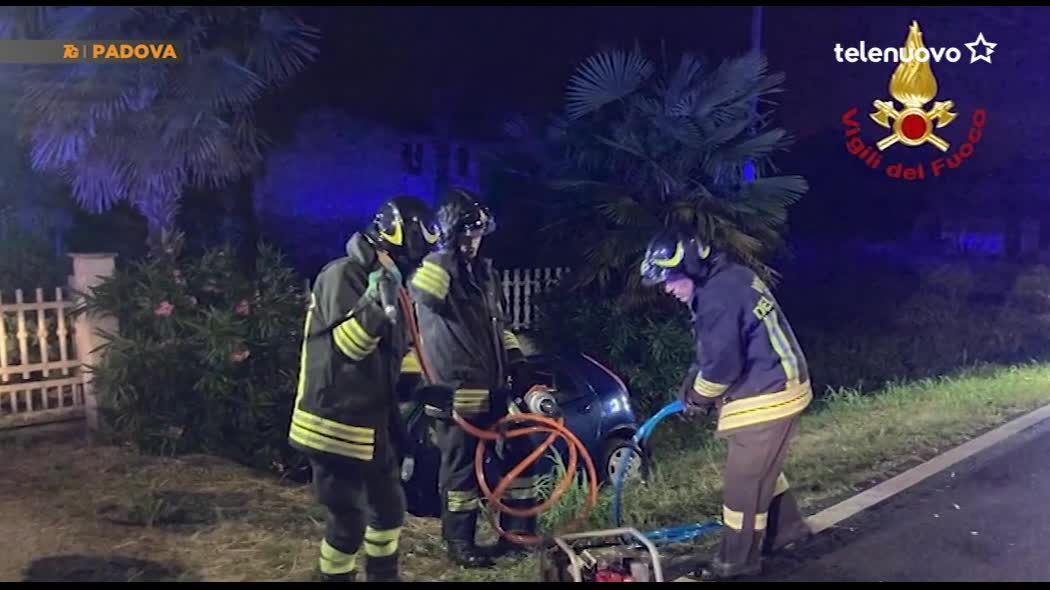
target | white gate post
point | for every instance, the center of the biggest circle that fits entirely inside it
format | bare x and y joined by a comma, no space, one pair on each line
88,271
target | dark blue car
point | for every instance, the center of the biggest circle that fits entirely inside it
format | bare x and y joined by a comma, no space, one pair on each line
593,401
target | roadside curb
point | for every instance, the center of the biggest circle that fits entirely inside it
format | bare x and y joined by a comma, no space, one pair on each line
829,517
852,506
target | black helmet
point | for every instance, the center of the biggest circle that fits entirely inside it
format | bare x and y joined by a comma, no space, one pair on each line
405,228
461,213
673,253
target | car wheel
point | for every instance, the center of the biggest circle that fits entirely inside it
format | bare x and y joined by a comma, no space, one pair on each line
615,450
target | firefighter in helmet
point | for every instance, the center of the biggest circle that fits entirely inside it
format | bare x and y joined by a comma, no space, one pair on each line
345,417
471,352
749,367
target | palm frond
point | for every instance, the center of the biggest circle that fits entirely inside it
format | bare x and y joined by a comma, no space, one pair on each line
604,78
145,132
281,47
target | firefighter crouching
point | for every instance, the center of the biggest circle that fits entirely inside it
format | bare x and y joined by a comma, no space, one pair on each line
470,350
345,416
750,366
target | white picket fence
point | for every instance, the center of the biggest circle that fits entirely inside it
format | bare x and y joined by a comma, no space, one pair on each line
45,348
40,380
520,285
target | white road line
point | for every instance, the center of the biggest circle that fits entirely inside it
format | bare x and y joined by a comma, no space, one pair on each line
891,487
829,517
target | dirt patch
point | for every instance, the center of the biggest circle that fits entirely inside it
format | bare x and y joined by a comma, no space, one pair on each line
83,568
82,512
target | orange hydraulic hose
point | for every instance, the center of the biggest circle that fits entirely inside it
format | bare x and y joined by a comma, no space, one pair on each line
556,430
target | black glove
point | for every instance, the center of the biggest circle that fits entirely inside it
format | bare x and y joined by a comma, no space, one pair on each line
518,371
438,396
695,405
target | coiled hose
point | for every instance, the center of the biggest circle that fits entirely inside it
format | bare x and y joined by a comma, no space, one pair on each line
555,429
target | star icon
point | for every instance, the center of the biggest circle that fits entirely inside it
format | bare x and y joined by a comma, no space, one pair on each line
985,46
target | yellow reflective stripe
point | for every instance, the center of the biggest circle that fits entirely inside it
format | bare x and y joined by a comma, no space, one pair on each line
510,340
429,285
353,340
302,352
471,395
381,543
708,388
331,445
765,408
674,260
781,344
760,521
431,278
528,494
522,488
462,501
470,409
354,434
410,364
732,519
781,485
334,561
521,483
759,285
470,400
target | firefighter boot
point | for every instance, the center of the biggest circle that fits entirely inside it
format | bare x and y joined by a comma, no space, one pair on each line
719,570
383,569
467,554
505,548
348,577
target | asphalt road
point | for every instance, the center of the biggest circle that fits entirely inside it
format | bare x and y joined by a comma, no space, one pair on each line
985,520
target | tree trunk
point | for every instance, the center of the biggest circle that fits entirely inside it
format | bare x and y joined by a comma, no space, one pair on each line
160,213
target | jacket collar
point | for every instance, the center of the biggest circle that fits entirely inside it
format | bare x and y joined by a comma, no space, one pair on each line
361,250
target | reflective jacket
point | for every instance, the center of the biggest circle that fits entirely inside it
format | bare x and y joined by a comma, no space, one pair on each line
351,363
465,337
748,360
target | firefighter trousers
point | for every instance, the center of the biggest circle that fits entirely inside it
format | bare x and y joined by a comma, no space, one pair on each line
759,511
365,506
461,497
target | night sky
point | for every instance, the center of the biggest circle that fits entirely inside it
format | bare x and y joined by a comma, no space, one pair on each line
403,65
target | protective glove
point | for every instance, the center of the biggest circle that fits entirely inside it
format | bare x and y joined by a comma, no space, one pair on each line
382,289
377,277
695,405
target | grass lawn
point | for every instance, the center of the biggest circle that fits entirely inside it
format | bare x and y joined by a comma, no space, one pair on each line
82,512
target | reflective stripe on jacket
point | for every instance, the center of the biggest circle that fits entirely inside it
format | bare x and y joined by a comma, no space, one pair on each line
466,340
350,363
748,358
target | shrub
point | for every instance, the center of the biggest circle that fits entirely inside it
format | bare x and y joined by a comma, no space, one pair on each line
206,358
862,330
650,348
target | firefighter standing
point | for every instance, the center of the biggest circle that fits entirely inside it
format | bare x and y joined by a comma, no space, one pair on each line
750,366
469,349
345,412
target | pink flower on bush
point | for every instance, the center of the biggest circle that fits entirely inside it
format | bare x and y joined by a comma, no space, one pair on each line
239,356
243,308
165,309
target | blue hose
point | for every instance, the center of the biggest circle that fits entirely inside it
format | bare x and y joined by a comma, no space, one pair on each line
639,437
669,534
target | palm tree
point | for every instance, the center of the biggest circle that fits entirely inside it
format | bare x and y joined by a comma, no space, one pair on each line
645,145
146,132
